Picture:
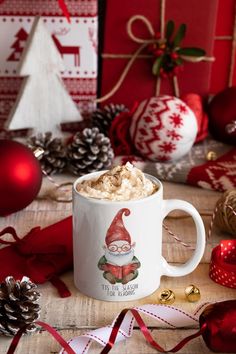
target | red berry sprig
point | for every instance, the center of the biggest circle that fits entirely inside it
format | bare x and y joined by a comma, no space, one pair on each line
167,54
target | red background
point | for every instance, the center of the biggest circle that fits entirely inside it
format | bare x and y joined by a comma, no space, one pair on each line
222,48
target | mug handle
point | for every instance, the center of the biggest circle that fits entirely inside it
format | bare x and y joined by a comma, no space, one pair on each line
191,264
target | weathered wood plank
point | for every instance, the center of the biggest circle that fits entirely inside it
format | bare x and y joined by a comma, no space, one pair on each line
81,311
43,343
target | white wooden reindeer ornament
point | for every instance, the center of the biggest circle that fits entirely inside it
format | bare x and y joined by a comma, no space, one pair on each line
43,102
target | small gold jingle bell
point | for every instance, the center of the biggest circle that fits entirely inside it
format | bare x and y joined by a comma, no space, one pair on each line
192,293
167,296
211,156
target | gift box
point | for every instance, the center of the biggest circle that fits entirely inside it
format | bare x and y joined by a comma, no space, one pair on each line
224,68
118,47
76,41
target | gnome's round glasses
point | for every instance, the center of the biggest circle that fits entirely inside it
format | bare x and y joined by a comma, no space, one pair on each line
123,248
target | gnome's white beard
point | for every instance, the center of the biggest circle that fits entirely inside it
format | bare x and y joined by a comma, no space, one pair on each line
119,259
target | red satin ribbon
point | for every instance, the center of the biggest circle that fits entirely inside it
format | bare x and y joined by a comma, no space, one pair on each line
146,334
64,9
223,264
217,327
113,335
49,329
10,230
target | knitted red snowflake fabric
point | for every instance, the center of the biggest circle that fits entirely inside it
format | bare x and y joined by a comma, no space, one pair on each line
193,168
218,175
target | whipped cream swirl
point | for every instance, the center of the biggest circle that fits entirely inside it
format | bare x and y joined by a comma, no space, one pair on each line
121,183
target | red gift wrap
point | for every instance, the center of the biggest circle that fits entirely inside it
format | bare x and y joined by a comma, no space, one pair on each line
140,83
224,68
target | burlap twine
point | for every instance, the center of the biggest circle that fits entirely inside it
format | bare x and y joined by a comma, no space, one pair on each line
225,214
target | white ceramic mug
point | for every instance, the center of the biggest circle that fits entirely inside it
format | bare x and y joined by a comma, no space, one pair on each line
118,244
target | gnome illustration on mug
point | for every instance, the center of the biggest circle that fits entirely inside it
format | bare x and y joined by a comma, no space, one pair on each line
119,262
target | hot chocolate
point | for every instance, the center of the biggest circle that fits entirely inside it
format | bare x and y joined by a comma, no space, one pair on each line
121,183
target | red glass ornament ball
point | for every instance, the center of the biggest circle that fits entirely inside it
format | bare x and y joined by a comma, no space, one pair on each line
20,176
222,112
219,320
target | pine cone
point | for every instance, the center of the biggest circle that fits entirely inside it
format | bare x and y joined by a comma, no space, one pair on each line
18,306
103,117
53,160
89,151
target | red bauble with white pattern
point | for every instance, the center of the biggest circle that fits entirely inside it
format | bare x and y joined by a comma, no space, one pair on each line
163,128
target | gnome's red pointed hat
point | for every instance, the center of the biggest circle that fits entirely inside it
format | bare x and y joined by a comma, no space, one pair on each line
117,230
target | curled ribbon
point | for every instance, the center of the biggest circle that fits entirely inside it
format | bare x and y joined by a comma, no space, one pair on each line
122,329
46,327
216,324
144,43
17,240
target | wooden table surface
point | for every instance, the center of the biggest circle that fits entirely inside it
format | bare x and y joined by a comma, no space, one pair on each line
78,314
